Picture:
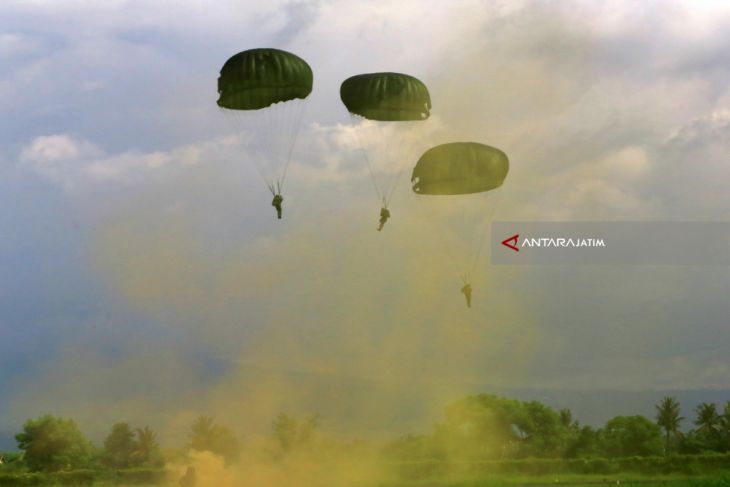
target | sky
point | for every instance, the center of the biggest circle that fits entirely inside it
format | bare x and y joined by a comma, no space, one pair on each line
143,276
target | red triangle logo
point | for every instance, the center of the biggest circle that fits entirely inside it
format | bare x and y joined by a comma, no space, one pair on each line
512,241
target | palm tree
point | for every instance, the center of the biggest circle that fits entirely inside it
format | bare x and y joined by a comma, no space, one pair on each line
146,441
725,427
202,433
708,422
147,450
707,418
668,418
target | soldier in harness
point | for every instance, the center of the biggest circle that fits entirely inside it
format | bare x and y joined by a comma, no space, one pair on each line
466,290
276,203
384,215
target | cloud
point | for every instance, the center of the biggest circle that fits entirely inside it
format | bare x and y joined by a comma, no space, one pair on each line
53,148
693,170
76,164
58,157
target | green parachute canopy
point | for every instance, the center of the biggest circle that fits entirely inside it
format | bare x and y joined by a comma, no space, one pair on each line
459,168
258,78
386,97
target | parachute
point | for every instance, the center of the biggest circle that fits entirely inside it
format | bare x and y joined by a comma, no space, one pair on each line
456,184
264,91
376,101
386,97
459,168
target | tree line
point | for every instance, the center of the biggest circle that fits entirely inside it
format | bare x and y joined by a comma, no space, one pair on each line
53,444
488,427
479,427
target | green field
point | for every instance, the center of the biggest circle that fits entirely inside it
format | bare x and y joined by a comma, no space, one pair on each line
576,481
628,479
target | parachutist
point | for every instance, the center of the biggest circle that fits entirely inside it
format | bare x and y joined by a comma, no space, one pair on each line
383,101
384,215
265,90
276,203
460,171
466,291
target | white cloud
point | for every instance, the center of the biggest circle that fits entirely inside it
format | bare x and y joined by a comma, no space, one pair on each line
51,148
74,163
611,186
58,157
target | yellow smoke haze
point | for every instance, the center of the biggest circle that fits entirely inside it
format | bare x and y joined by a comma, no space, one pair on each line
318,464
338,307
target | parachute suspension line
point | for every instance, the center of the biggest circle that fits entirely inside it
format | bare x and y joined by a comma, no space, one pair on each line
457,264
260,151
387,133
393,187
428,209
293,133
383,140
380,196
267,134
395,180
277,126
385,149
484,232
266,128
465,239
278,134
466,278
384,135
460,263
240,121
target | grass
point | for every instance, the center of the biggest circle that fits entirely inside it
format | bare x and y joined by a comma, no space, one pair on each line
572,480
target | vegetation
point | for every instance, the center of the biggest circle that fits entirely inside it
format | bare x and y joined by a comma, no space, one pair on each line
484,438
490,428
291,433
127,448
205,435
669,419
51,444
